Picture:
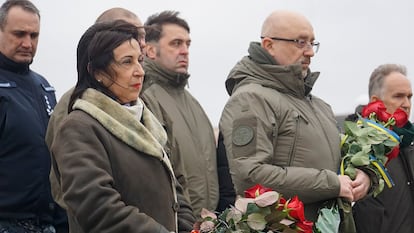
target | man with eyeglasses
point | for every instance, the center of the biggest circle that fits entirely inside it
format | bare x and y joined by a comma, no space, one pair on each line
276,133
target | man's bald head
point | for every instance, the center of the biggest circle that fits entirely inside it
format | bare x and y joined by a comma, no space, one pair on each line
289,38
282,21
119,13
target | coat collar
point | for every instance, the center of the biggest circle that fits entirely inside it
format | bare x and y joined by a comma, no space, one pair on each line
10,65
147,136
154,73
259,67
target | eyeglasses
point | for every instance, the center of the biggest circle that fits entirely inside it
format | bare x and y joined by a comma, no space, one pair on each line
300,43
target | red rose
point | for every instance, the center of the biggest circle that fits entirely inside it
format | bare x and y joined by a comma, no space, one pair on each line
383,115
282,202
296,209
377,107
304,226
393,154
255,191
401,118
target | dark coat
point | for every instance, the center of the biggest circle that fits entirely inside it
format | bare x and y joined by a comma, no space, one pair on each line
114,174
392,211
227,192
26,102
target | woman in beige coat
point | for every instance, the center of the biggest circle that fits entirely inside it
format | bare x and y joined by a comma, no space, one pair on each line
108,154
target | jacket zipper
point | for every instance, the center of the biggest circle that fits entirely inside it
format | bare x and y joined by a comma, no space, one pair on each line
293,148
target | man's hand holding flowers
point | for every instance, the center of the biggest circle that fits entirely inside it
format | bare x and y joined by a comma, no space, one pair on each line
353,190
368,145
346,187
360,185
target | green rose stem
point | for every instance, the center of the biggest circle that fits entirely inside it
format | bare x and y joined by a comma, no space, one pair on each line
390,122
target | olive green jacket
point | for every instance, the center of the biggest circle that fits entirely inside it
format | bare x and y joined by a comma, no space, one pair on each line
190,134
277,134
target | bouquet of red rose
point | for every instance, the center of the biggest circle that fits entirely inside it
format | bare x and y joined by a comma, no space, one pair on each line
262,210
370,142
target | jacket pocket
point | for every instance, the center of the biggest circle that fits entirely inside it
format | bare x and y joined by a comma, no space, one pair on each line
297,120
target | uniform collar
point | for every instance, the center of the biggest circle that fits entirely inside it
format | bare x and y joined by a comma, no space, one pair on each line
10,65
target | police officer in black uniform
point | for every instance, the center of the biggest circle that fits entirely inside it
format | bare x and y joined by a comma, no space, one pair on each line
26,102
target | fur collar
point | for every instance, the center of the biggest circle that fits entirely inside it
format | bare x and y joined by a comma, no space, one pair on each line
147,136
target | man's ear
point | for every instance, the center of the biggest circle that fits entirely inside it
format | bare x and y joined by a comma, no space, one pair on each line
267,43
151,50
374,98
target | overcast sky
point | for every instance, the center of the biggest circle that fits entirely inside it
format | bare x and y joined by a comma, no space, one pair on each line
355,37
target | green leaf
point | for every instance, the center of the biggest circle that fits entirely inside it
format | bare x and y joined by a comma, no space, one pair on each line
354,148
252,208
389,143
371,136
374,133
328,220
351,128
360,159
275,217
223,214
234,215
382,158
366,149
256,221
350,171
242,227
379,189
378,149
265,210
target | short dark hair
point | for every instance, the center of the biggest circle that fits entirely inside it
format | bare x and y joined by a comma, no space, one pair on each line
24,4
154,24
95,53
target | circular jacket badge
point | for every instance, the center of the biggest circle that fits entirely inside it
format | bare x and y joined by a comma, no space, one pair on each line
242,135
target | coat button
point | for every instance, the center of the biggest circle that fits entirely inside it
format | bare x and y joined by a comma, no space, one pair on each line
176,206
